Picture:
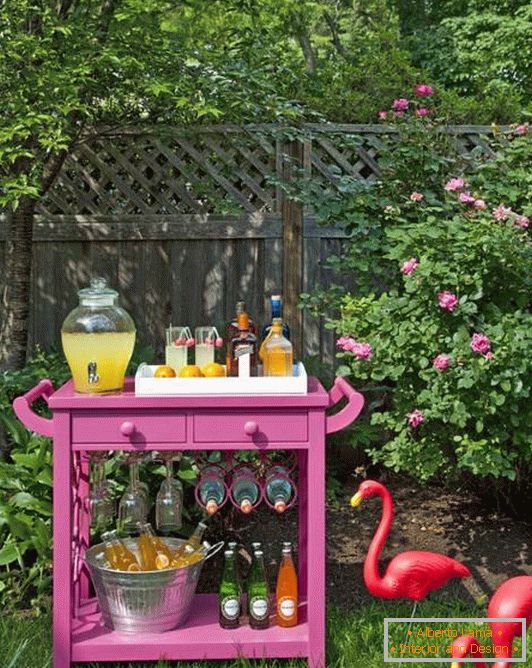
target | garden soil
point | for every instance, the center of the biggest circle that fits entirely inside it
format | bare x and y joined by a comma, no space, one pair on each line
493,545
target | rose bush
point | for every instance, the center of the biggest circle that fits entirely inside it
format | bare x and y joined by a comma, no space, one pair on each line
441,301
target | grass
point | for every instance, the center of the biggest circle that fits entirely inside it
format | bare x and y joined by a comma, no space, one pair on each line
355,639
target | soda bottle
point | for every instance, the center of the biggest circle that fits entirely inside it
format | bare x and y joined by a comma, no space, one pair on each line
277,312
240,346
245,489
287,589
193,542
117,554
258,594
229,594
211,488
278,353
154,553
279,490
190,555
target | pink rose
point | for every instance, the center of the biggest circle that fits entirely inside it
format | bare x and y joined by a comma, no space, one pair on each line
447,300
522,221
422,112
454,185
480,343
479,204
489,356
423,90
501,212
362,351
441,362
415,418
382,115
399,114
345,343
416,197
466,198
401,104
409,266
522,129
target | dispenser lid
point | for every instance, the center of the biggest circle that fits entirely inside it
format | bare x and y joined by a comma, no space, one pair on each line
98,294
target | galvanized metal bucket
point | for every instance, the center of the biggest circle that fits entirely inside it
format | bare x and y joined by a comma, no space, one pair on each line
146,601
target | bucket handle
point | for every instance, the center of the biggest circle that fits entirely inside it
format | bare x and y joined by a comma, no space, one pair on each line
214,549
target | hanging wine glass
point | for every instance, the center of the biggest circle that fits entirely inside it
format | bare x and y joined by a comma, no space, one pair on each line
101,501
169,502
133,507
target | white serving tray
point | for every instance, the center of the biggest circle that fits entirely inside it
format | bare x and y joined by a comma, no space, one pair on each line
147,385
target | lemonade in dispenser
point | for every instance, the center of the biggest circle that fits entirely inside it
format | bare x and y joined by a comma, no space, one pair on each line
98,337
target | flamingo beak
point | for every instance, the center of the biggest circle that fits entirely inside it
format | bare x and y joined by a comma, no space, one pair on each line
356,500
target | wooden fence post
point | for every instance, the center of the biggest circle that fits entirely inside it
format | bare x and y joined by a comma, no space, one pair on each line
293,160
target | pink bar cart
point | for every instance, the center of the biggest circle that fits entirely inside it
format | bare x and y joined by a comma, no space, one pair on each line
82,423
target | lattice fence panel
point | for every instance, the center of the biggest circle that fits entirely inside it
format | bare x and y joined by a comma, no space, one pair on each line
222,172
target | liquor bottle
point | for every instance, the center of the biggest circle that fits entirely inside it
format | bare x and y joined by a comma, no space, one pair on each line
211,488
277,312
242,348
258,594
194,541
245,489
232,327
229,594
287,589
279,489
278,353
117,554
154,553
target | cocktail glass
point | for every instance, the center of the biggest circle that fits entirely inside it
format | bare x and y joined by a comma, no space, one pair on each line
207,339
178,340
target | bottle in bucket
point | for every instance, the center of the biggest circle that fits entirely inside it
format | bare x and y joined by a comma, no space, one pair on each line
154,553
258,594
117,554
229,594
193,542
287,589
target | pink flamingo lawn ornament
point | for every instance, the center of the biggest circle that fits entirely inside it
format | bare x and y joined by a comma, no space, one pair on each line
513,598
410,575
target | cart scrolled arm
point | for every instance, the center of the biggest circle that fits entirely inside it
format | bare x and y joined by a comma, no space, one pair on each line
30,419
355,402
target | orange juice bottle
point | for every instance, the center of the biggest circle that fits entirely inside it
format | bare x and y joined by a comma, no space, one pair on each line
154,554
287,589
118,555
278,354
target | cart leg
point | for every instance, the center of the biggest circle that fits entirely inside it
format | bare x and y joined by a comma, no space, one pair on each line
84,524
62,538
302,524
315,490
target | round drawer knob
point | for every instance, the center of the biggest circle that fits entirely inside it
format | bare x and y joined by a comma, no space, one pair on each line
251,428
128,428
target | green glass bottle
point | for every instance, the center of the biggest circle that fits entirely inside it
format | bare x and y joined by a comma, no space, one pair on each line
258,594
229,595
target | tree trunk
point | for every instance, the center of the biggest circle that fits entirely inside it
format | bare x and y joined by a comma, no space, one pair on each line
17,285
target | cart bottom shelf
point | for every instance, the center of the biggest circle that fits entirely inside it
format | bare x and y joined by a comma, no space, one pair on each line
200,638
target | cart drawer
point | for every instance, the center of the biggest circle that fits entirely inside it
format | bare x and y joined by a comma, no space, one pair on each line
128,427
252,426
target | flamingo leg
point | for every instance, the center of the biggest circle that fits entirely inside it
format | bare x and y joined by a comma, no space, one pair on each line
409,625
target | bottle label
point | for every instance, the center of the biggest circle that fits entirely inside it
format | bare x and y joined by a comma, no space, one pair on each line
230,607
286,607
259,608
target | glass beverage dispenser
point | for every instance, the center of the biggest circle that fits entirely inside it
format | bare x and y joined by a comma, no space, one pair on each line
98,338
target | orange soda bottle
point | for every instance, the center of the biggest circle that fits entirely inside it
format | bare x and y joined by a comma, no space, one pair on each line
287,589
118,555
154,553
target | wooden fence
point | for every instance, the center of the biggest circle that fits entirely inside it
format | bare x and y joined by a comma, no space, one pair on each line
185,223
